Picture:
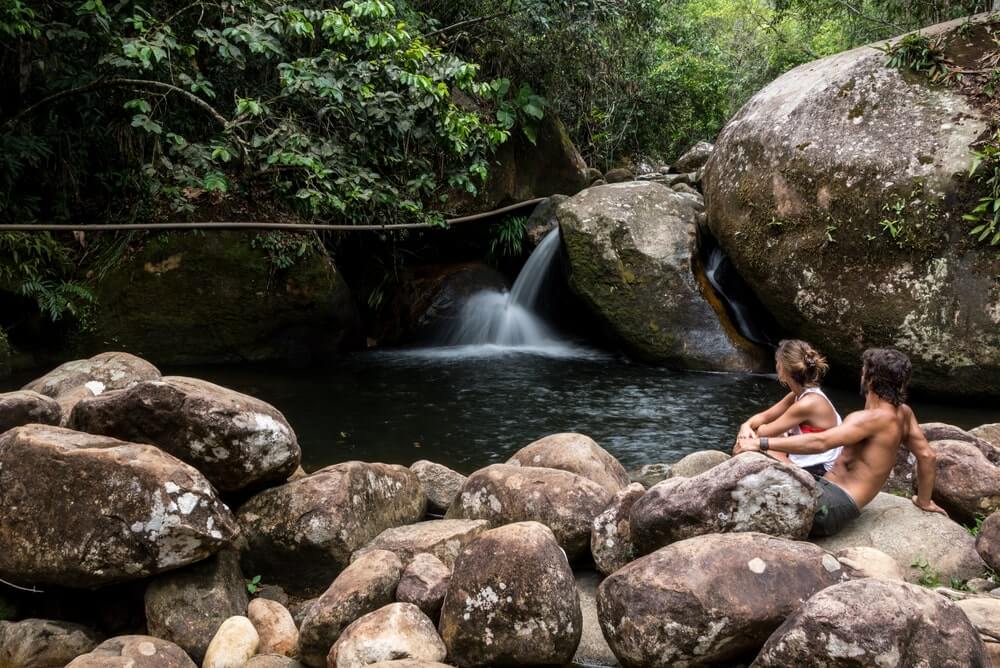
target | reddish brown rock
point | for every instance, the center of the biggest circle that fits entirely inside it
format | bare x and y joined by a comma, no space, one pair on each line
565,502
577,454
967,483
874,622
442,538
40,643
939,431
611,541
275,627
237,441
79,510
302,534
134,652
396,631
27,407
424,584
988,541
710,599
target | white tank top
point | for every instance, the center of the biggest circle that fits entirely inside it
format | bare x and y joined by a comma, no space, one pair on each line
825,458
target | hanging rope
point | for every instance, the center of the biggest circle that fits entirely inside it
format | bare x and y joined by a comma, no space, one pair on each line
302,227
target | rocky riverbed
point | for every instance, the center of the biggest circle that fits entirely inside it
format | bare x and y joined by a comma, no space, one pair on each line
162,521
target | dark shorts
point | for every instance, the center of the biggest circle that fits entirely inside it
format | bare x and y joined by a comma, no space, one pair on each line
835,509
817,471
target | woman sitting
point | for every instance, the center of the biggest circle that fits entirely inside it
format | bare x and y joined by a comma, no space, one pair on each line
805,409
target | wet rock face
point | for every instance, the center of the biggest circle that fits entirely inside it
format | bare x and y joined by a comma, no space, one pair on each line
875,622
27,407
237,441
188,605
577,454
133,510
907,534
565,502
302,534
366,585
72,381
751,492
611,542
631,249
822,153
396,631
134,652
40,643
710,599
512,600
967,484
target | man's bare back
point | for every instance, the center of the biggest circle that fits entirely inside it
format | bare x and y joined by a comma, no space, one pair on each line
863,468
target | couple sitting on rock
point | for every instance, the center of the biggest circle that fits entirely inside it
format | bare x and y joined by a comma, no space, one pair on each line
850,458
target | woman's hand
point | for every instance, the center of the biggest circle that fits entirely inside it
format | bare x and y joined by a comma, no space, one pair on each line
745,436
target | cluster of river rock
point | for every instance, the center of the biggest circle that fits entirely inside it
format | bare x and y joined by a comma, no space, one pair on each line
140,506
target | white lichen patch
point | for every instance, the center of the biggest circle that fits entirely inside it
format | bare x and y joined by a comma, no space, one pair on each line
770,500
95,387
757,565
830,563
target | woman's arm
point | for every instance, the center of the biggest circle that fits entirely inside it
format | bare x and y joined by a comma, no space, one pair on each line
771,414
808,409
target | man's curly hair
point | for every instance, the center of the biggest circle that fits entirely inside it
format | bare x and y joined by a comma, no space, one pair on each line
886,372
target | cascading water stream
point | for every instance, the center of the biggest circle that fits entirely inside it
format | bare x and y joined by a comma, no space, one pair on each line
510,319
715,267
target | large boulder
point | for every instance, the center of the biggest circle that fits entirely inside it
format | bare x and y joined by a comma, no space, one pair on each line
512,600
433,297
234,644
909,535
989,433
984,613
366,585
27,407
134,652
939,431
967,484
188,605
631,249
874,622
396,631
442,538
40,643
988,541
275,627
424,584
72,381
302,534
237,441
611,542
697,463
262,300
867,562
80,510
440,483
838,193
565,502
575,453
751,492
694,158
710,599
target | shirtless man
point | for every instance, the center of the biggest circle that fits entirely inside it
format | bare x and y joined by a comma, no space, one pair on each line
871,439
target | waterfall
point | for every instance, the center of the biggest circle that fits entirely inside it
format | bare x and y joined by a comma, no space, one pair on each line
716,267
511,319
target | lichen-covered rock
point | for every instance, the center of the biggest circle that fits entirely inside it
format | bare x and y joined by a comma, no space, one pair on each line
440,483
188,605
648,475
909,535
442,538
134,652
867,562
162,301
80,510
697,463
988,541
695,158
72,381
396,631
631,248
751,492
989,433
27,407
233,645
424,584
611,541
237,441
368,584
810,170
874,622
275,627
512,600
710,599
967,484
302,534
575,453
40,643
565,502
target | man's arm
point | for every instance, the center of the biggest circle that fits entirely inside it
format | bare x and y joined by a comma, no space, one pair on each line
856,428
917,443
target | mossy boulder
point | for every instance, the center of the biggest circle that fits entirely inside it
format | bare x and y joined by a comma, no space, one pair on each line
207,297
838,192
632,258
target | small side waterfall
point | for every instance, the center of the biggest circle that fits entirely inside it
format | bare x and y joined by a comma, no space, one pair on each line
511,319
716,267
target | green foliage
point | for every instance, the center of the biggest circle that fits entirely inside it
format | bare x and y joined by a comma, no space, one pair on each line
977,525
929,577
919,53
284,249
986,171
39,267
507,238
253,584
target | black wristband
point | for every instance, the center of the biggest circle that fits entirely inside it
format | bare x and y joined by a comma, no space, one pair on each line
763,444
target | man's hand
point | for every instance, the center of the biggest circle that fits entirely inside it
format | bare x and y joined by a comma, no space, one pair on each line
747,444
929,507
746,432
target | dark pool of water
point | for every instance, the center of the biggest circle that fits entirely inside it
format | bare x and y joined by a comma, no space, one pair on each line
472,407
